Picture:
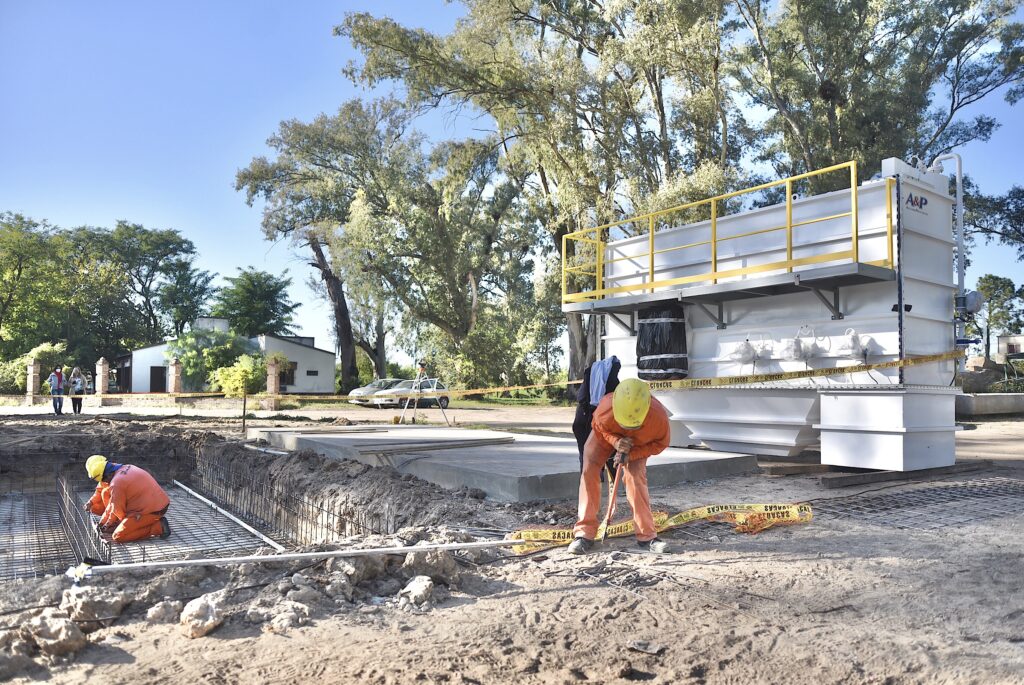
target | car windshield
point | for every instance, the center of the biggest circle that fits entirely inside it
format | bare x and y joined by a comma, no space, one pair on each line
382,383
403,385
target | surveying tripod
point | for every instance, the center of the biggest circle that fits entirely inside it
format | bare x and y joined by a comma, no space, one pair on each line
421,377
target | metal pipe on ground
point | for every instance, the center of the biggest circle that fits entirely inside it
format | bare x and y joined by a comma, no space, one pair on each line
84,570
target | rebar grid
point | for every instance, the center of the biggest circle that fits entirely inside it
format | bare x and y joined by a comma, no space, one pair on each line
79,525
933,507
32,541
279,512
195,529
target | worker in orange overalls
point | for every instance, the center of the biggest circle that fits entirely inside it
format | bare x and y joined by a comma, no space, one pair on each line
135,505
634,426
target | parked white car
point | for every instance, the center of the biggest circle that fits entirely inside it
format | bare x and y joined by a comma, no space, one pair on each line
397,395
363,395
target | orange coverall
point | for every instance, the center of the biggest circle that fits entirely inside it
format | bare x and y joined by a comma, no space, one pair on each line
649,439
100,499
137,502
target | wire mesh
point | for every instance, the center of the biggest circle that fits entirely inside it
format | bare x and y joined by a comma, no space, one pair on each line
79,525
932,507
277,510
32,540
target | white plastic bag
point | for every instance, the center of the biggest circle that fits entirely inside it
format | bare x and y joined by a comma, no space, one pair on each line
743,353
850,345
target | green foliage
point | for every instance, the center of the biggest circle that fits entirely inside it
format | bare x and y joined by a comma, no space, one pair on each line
1003,311
90,287
201,352
146,255
256,302
14,372
247,375
184,295
396,370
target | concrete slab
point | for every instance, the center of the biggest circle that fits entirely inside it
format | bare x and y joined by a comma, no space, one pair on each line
531,468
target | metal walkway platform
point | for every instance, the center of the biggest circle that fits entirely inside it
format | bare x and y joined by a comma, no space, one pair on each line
827,278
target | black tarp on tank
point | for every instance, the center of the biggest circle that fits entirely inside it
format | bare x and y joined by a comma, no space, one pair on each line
661,344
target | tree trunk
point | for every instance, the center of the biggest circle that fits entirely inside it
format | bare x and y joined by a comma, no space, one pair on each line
988,342
380,357
582,343
342,320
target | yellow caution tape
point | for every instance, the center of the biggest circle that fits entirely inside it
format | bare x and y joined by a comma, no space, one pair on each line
684,384
745,518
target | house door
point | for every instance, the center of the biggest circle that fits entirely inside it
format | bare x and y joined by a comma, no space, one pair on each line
158,379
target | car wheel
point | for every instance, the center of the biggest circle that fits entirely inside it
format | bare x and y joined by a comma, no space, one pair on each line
443,401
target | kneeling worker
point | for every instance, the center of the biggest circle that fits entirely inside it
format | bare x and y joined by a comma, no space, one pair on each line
635,425
130,503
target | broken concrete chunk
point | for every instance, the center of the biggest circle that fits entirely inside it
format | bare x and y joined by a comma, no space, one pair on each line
359,569
287,615
305,595
417,591
202,615
54,633
299,580
89,605
340,586
438,564
164,612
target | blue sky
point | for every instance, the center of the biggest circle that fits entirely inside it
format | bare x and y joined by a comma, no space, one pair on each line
144,111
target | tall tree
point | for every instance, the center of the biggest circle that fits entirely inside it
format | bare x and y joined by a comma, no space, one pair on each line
1003,311
309,186
587,98
185,294
870,79
26,260
256,302
146,255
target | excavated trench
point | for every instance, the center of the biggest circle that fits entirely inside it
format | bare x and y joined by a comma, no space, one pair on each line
265,499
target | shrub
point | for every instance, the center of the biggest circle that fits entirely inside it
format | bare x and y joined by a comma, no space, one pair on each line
247,375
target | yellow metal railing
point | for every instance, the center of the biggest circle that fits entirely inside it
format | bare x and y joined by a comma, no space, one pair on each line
583,252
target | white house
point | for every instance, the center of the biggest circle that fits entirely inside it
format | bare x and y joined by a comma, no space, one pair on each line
311,370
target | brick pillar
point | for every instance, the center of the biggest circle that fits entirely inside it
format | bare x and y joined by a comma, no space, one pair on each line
273,387
99,381
32,382
174,381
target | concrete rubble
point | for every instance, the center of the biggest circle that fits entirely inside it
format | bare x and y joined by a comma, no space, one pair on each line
54,633
202,615
91,606
417,592
167,611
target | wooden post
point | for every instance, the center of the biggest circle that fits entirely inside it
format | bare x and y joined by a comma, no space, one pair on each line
32,382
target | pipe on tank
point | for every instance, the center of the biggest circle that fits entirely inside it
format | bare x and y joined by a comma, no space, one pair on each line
936,165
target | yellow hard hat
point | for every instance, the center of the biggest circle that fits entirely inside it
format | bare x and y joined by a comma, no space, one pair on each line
94,466
631,402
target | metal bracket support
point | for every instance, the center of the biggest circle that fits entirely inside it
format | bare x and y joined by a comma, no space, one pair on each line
719,320
627,323
833,306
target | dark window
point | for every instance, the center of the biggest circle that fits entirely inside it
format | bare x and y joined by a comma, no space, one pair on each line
1013,348
288,375
312,372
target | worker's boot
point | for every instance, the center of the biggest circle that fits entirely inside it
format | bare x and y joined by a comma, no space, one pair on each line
655,546
581,546
165,527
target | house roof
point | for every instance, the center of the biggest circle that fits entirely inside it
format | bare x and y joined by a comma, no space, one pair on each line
298,344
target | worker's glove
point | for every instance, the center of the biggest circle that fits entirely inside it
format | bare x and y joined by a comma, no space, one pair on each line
621,459
623,445
87,507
